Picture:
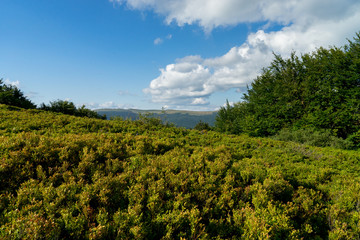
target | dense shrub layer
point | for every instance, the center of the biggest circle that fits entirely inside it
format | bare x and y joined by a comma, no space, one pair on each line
63,177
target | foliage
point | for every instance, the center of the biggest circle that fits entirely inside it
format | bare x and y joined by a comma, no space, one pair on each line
319,91
11,95
64,177
201,126
319,138
150,119
69,108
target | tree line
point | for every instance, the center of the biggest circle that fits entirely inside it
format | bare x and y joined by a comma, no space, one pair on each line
317,93
12,95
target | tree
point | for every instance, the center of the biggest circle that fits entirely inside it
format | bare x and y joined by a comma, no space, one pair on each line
85,112
60,106
200,126
69,108
272,102
11,95
319,91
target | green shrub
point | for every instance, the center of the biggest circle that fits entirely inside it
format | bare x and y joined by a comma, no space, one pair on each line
319,138
201,126
65,177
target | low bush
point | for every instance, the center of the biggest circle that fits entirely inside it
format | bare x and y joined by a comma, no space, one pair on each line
65,177
319,138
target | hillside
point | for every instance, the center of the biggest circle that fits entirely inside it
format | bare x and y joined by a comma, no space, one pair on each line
65,177
186,119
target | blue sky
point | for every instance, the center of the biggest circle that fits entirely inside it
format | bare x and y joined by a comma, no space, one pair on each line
149,54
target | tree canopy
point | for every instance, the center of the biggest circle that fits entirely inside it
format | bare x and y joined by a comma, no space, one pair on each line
318,90
69,108
11,95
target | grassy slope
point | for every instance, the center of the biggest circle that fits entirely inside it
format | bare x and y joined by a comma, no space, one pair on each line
68,177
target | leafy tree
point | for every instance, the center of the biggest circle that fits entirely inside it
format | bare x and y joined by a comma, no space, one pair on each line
233,118
332,92
318,91
267,106
202,126
69,108
11,95
60,106
85,112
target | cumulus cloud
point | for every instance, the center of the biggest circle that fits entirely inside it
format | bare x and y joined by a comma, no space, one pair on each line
13,83
191,80
213,13
200,101
206,13
307,24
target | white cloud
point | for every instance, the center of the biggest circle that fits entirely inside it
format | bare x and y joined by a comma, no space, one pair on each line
191,80
213,13
158,41
206,13
307,24
12,83
200,101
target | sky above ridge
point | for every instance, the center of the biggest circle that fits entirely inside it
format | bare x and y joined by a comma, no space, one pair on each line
153,54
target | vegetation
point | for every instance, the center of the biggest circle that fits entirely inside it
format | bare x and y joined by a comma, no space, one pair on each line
11,95
321,138
65,177
318,92
69,108
71,177
202,126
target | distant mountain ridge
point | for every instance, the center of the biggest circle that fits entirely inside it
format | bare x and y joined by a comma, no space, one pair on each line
181,118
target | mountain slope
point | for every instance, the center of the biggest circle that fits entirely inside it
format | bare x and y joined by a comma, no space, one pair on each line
187,119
